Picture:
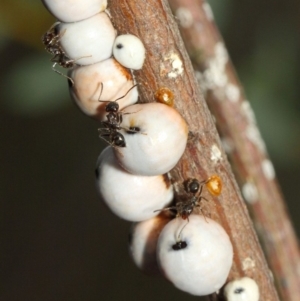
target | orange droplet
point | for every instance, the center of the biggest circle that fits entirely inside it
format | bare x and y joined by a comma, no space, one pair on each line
214,185
165,96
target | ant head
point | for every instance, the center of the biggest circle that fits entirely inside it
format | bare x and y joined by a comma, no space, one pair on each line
119,140
112,107
186,213
192,185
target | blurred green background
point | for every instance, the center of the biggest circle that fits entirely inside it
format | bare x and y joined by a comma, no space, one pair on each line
58,242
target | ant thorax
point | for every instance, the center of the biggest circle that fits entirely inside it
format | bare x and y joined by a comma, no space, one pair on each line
188,198
112,125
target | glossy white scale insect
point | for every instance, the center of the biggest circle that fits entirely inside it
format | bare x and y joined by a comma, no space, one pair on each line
74,10
129,51
107,80
143,242
158,142
129,196
88,41
198,259
243,289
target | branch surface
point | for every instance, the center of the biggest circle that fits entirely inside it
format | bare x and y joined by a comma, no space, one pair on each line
246,149
167,65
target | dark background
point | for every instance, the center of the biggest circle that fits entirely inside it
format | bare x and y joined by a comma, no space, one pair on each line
58,241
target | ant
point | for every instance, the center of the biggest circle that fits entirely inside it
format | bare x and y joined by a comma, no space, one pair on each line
112,124
51,42
186,207
194,190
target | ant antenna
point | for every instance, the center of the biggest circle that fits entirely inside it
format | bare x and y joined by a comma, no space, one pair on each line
179,235
117,98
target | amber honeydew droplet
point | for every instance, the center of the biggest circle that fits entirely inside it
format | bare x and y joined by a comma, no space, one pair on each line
165,95
214,185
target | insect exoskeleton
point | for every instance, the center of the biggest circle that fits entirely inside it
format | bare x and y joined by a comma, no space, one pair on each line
157,142
107,80
129,51
74,10
131,197
243,289
143,241
88,41
198,259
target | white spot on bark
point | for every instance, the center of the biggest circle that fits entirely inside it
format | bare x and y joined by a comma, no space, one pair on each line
250,193
184,16
268,169
248,263
215,154
227,145
254,136
221,54
214,75
208,11
248,112
176,64
232,92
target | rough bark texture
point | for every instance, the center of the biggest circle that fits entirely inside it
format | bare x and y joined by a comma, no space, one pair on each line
236,124
167,65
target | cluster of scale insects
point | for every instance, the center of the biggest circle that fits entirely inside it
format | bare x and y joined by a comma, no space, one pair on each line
112,125
113,132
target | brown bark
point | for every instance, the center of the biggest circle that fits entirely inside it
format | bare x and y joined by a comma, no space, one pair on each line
249,158
167,65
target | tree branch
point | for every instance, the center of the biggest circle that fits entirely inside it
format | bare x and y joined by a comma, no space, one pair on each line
167,65
250,161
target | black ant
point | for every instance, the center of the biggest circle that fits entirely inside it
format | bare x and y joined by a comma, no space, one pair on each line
194,190
51,41
186,207
112,124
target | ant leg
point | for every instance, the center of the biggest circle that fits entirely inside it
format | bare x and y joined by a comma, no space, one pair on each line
60,73
126,92
101,91
103,137
117,98
165,209
179,235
